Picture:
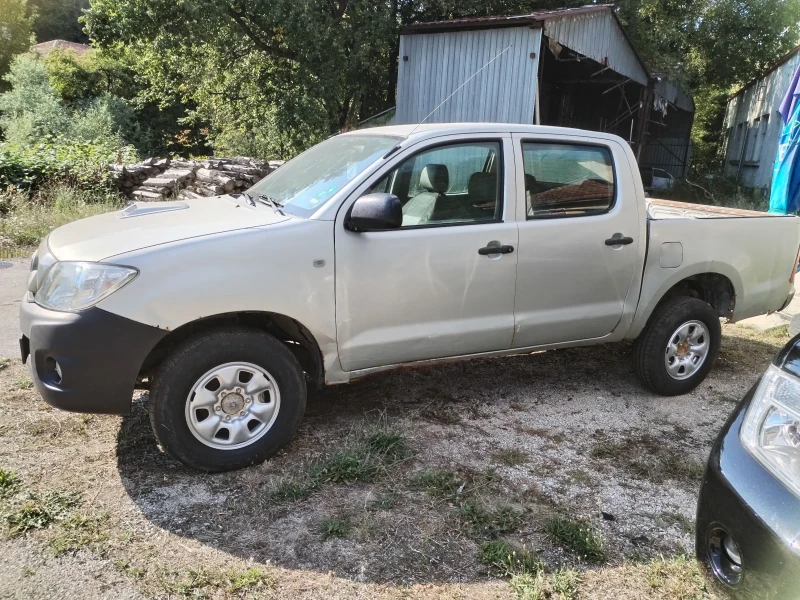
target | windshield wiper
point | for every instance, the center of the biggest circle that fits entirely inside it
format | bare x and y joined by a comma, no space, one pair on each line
270,201
249,198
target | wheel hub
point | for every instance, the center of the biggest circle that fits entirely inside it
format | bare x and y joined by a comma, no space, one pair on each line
232,403
683,348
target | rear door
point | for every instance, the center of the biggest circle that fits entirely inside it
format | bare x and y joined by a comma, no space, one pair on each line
579,239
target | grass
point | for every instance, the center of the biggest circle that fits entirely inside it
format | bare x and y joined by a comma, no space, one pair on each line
579,536
334,527
25,221
511,457
485,522
293,490
38,511
678,577
22,383
648,457
382,502
438,483
9,483
507,560
367,453
77,532
580,476
684,524
205,583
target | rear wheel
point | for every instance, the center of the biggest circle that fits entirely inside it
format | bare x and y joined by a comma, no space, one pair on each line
678,347
227,399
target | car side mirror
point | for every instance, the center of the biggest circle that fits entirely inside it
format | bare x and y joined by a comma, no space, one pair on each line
375,212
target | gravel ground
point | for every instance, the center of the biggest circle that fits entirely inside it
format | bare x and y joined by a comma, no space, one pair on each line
569,433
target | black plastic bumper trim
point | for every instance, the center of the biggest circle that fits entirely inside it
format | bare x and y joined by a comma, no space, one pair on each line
98,354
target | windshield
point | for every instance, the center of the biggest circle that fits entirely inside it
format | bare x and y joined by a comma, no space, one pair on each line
308,181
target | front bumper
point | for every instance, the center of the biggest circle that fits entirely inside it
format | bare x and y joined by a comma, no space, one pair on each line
98,355
740,498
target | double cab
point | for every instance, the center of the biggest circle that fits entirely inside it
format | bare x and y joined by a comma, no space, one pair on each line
382,248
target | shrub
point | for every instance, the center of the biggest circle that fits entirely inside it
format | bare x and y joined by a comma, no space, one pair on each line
24,221
80,164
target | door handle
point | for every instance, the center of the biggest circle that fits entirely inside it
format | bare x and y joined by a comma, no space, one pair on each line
495,250
620,241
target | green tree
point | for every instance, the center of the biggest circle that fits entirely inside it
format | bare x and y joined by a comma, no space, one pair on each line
59,20
15,31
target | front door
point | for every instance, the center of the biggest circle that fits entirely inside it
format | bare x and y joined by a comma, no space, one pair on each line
574,276
431,288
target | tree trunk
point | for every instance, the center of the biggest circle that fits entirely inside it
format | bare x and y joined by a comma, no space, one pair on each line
391,83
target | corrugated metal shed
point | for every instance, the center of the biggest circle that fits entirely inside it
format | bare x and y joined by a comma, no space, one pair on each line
439,56
753,125
435,64
598,35
674,95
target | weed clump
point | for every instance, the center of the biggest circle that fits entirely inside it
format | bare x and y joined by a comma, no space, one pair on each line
579,536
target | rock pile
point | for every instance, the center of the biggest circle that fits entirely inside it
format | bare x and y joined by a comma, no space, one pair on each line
156,179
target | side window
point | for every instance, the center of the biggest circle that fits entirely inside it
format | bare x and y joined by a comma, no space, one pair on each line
567,180
457,183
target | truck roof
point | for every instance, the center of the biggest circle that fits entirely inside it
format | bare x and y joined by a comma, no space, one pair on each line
429,130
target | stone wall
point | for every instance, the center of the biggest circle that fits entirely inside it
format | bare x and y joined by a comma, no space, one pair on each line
156,179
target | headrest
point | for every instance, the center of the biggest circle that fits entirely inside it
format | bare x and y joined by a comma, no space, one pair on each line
435,178
482,186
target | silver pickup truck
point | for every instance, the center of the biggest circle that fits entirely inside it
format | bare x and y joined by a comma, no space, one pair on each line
384,248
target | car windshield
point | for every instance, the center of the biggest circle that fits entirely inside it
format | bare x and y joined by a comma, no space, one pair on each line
308,181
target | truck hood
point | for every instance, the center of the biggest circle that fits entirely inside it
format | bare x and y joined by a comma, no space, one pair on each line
146,224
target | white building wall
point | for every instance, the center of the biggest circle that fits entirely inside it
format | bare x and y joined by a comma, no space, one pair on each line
753,126
433,65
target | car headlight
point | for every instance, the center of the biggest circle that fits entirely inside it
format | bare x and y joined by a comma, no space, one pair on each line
771,429
74,286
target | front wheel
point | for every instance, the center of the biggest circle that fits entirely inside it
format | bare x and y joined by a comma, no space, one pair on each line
678,347
227,399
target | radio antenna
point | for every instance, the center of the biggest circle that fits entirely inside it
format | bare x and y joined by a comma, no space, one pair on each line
471,77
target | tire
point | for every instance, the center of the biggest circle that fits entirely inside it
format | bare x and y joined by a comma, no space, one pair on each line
213,367
680,318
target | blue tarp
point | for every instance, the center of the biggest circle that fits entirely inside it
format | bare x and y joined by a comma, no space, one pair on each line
785,195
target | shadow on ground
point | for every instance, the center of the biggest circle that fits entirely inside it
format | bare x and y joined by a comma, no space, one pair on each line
454,415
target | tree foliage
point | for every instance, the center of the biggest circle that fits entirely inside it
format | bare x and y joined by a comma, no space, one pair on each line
59,20
15,31
273,76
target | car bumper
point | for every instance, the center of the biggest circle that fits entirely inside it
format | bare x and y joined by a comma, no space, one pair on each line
98,356
741,499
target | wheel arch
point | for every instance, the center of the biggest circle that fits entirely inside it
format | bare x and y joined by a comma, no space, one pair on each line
713,287
290,332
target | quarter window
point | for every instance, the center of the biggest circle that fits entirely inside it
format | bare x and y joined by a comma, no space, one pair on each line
446,185
567,180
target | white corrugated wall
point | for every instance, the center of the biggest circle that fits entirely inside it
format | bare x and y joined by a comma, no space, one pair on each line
599,36
504,92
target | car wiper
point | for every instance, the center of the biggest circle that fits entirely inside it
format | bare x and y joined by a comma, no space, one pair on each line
270,201
249,198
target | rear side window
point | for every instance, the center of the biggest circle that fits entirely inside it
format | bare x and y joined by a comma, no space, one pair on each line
567,180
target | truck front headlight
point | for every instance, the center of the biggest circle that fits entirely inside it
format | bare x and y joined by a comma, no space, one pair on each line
74,286
771,428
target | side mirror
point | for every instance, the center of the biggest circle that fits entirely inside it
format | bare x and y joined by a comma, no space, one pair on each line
375,212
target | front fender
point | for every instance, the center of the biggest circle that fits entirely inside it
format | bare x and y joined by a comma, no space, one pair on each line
285,268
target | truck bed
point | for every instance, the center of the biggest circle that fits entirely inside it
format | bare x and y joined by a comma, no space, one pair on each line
658,209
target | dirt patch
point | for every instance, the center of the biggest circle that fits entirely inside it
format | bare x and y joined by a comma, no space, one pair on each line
507,445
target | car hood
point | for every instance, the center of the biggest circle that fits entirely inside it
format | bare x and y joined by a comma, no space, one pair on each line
145,224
